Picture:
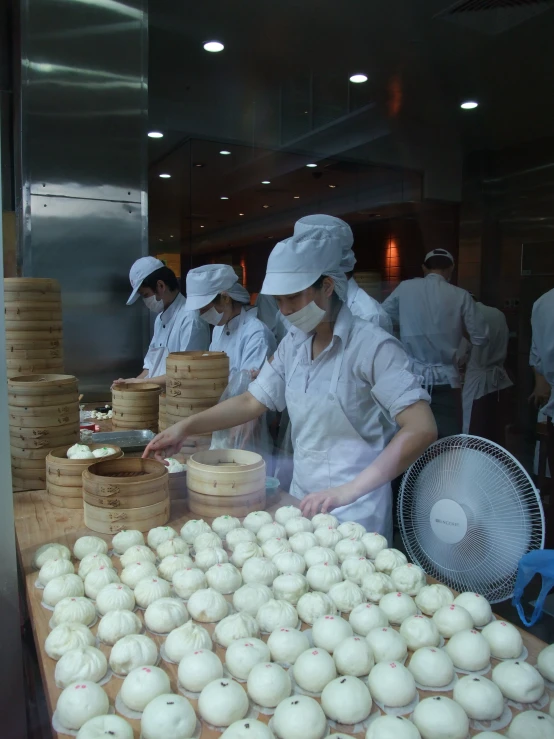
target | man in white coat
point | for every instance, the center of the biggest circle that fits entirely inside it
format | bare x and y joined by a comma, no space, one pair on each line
485,396
434,316
542,361
176,329
331,376
360,303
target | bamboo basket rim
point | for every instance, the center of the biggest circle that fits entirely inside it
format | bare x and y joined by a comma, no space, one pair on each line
137,387
251,461
40,380
197,354
99,471
58,451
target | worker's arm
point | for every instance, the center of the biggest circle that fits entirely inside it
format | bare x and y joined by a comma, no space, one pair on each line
130,380
476,329
541,392
417,431
232,412
391,306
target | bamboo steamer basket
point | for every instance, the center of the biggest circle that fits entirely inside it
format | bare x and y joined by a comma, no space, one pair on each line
64,472
43,385
26,354
197,365
20,484
18,418
64,502
136,406
225,481
126,493
32,312
25,285
162,413
43,345
178,485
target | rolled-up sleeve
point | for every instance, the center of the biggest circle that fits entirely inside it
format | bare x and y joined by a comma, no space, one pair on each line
393,386
269,387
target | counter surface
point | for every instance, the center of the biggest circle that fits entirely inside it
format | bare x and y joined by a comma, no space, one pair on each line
38,522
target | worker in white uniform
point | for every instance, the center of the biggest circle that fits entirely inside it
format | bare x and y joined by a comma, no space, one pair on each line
542,361
176,328
331,383
360,303
269,313
485,398
223,302
434,316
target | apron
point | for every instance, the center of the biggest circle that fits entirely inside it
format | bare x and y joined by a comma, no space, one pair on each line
475,387
158,356
323,461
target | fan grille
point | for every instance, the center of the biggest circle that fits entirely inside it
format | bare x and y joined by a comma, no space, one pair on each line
488,491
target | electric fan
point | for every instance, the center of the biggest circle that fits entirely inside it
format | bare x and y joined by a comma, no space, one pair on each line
468,512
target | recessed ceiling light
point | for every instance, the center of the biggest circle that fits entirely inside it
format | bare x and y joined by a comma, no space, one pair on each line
241,214
469,105
265,206
331,186
311,165
198,164
170,236
165,176
296,197
160,239
213,46
201,226
225,153
155,134
266,182
358,78
224,197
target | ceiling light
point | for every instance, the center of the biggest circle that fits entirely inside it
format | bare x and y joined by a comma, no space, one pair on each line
241,214
224,197
213,46
469,105
265,206
165,176
155,134
225,153
357,78
170,236
198,164
331,186
311,165
266,182
201,226
296,197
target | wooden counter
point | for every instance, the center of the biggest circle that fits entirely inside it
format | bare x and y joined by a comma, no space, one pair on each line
37,522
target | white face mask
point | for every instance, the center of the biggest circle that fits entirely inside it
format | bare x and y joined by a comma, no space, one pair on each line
212,316
153,304
307,318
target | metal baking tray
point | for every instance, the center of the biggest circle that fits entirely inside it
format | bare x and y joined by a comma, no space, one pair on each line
127,441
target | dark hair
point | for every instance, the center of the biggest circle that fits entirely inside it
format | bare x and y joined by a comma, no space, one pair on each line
438,262
335,300
165,275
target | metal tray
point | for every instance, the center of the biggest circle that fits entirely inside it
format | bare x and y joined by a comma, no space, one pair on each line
128,441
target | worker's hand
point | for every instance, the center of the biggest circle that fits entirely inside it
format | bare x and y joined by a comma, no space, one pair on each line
541,394
166,444
128,381
328,500
254,374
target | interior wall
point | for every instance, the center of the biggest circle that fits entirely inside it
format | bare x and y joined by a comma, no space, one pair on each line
82,153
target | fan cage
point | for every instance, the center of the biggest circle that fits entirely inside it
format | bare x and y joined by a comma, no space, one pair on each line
505,518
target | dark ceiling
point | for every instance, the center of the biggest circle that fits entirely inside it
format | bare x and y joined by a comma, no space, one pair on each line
279,96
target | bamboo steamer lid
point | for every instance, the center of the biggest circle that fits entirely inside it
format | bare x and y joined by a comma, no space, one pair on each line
42,385
36,401
29,454
32,313
20,485
64,491
28,473
119,501
41,345
28,464
29,354
125,476
33,336
112,521
52,420
212,506
135,389
43,411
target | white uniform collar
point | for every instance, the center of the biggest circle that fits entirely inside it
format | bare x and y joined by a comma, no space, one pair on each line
168,313
437,276
234,324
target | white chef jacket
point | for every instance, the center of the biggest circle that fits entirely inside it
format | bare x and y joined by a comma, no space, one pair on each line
364,306
175,330
375,383
269,313
542,347
485,371
432,315
246,340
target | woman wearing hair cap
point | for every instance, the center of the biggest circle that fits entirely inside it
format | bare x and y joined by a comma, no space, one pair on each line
215,291
346,385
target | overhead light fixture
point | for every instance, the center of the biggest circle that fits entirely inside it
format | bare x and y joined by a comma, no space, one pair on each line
358,78
201,226
198,164
296,197
170,236
266,182
241,214
469,105
265,206
225,153
311,165
213,46
165,176
331,186
224,197
155,135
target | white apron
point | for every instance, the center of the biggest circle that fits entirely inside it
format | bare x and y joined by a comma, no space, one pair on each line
158,356
325,460
477,384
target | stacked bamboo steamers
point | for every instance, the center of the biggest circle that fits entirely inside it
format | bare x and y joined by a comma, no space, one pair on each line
136,406
33,313
43,413
195,382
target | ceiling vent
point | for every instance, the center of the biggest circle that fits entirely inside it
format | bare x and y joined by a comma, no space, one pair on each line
493,16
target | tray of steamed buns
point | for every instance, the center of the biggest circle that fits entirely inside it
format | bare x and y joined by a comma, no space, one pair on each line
278,627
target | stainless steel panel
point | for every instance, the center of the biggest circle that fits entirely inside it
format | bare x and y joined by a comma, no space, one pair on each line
83,121
88,245
129,441
84,97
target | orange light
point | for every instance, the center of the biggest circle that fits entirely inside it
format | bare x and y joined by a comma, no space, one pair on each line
392,261
243,265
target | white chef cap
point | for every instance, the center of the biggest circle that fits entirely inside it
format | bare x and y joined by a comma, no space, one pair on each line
205,283
338,228
296,263
140,270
